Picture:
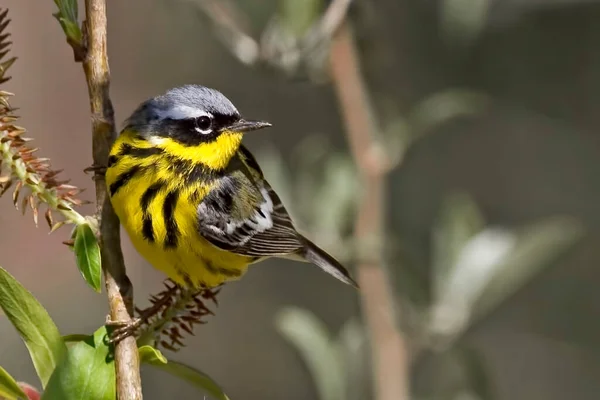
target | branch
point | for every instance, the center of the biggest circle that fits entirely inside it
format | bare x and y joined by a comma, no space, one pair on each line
232,28
118,286
329,23
390,355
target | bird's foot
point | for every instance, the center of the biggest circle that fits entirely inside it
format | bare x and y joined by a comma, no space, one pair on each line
123,329
98,170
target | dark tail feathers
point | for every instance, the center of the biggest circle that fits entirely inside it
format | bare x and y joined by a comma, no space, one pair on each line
327,263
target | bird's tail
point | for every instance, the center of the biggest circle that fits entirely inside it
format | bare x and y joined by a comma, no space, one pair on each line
327,263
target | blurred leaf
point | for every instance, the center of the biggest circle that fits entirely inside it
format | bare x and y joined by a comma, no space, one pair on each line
87,372
34,325
444,106
538,245
153,357
150,355
67,17
352,347
478,261
310,337
396,137
460,219
476,372
298,16
338,192
307,164
9,388
87,253
459,372
462,21
495,264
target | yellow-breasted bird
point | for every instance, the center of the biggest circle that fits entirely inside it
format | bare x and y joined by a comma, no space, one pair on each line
193,199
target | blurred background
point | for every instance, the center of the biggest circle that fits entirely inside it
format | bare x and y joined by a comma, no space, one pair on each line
484,113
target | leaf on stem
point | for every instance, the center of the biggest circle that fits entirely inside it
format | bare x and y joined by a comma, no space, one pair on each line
459,221
67,17
87,253
87,372
75,337
444,106
9,388
153,357
36,328
312,340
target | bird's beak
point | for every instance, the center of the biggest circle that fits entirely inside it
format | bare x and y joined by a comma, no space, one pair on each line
244,125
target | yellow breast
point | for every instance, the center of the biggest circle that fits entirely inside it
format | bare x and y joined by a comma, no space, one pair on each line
156,204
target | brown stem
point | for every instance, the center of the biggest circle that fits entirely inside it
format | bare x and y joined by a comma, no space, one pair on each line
118,286
390,356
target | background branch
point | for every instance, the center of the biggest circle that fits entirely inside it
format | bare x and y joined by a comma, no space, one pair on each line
390,356
118,286
233,30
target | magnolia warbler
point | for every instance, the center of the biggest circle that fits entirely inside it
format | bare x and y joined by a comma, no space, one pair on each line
193,199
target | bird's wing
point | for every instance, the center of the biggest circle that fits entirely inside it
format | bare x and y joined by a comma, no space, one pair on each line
244,215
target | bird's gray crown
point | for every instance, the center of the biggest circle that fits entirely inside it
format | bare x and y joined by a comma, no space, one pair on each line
185,102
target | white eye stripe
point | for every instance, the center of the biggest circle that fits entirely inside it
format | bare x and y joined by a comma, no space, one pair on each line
182,112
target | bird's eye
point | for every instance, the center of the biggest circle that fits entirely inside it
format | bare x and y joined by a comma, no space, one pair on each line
203,124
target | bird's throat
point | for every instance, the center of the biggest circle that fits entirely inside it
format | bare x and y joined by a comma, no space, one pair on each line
214,155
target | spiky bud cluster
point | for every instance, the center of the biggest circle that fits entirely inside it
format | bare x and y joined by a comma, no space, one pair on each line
32,178
175,312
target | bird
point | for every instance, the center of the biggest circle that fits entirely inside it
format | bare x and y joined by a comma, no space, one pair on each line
194,200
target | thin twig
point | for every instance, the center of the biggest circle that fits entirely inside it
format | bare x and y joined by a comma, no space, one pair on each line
232,27
331,20
118,286
390,355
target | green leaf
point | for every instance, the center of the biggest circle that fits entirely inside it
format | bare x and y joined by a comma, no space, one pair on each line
352,345
67,8
539,244
67,17
87,253
87,372
311,338
492,266
76,337
9,388
444,106
153,357
459,221
71,29
338,189
150,355
33,323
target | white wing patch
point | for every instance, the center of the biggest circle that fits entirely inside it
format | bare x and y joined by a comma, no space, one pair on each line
261,221
265,230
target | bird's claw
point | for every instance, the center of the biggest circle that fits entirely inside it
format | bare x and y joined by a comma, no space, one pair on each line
123,329
98,170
